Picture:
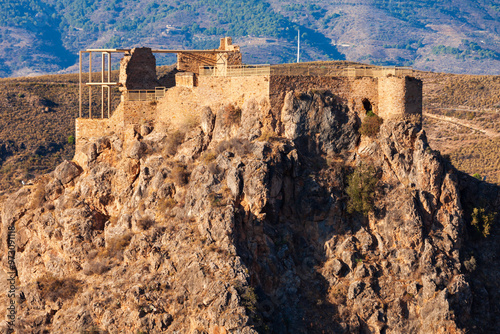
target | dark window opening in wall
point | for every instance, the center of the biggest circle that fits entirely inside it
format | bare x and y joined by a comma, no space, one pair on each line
367,105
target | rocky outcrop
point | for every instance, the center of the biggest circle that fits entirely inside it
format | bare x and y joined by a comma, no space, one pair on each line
232,226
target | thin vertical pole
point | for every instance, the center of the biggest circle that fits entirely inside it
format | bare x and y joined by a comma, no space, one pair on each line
298,46
80,86
109,80
102,86
90,86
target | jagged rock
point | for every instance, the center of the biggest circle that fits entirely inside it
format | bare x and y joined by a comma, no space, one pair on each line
102,144
146,129
66,172
207,121
245,239
54,189
137,149
355,289
337,267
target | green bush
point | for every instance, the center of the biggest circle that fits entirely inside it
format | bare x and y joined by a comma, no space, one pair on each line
248,298
371,125
482,221
361,189
477,176
71,139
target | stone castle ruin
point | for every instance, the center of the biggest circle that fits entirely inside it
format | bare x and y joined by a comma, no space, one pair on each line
215,78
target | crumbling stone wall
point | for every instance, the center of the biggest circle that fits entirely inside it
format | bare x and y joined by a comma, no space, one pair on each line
138,70
191,62
86,128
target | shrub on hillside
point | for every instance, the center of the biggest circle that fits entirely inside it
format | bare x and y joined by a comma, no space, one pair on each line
361,189
180,175
371,125
232,115
173,141
482,221
235,145
52,288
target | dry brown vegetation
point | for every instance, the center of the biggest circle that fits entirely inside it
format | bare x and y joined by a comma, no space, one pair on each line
231,115
53,288
37,116
463,120
482,157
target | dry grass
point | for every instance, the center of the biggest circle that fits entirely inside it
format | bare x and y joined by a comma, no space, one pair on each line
38,115
338,293
482,157
231,115
473,91
165,204
267,136
180,175
238,146
52,288
173,141
117,245
471,100
209,156
145,223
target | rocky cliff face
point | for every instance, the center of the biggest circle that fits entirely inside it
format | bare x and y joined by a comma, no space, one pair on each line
229,226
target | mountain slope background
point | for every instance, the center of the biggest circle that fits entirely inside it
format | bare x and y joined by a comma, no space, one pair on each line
44,36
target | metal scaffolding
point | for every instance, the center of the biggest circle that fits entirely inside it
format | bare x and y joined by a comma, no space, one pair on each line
106,85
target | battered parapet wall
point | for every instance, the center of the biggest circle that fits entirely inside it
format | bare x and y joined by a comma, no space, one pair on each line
86,129
386,96
350,91
127,113
182,103
185,79
137,112
399,96
236,90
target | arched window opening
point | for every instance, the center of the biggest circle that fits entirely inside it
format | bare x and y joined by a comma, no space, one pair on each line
367,105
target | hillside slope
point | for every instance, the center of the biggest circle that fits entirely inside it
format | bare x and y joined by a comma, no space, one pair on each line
459,36
224,225
37,118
